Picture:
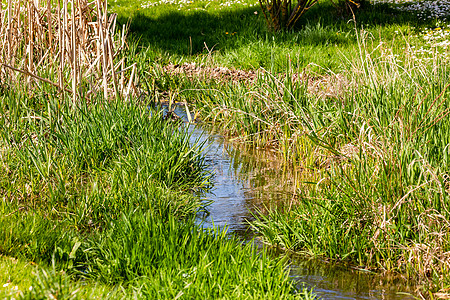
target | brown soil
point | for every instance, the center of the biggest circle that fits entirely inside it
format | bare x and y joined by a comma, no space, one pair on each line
200,72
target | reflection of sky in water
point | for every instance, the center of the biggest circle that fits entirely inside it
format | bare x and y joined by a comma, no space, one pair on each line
240,185
229,203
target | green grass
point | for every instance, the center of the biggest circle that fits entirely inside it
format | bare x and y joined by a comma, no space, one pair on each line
169,259
24,280
369,125
380,147
99,200
234,36
14,273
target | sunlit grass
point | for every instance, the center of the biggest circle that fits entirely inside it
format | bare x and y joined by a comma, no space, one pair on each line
361,102
378,138
368,115
99,200
236,36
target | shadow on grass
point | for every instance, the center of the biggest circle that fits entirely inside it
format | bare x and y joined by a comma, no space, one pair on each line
195,32
185,33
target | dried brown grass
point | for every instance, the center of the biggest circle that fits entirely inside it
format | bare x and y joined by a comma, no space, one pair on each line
70,44
323,86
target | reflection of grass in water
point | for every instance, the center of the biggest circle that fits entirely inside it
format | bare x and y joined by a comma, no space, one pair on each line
270,181
350,280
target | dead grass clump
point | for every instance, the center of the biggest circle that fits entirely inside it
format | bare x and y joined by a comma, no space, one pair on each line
200,72
431,255
330,86
324,86
71,45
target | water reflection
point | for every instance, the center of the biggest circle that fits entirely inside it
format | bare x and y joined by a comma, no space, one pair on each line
331,281
242,183
229,205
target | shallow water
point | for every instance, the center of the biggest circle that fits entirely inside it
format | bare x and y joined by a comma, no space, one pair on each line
246,179
340,282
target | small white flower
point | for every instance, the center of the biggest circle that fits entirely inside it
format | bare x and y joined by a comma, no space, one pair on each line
6,284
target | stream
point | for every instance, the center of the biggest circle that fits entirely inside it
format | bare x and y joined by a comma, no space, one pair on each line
249,178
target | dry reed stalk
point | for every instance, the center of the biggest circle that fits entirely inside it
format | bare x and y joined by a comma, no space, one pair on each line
67,44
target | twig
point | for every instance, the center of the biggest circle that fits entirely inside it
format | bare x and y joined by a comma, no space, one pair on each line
25,72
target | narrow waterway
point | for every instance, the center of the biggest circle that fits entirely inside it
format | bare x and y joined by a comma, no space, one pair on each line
246,179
